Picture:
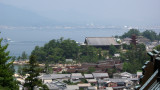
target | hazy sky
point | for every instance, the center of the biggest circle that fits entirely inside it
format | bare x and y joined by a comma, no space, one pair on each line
127,12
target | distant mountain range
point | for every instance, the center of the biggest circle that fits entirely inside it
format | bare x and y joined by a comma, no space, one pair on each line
13,16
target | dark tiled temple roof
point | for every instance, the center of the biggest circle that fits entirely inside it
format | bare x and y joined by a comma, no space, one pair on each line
100,41
150,80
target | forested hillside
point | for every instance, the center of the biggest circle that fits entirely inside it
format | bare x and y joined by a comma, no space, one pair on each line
56,51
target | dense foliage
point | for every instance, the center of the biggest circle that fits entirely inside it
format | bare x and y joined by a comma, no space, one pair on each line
134,58
130,33
24,56
56,51
157,47
112,50
7,81
152,35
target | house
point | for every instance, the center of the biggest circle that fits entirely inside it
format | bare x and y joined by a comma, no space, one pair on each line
100,67
112,84
116,55
123,82
126,75
73,70
76,77
109,88
88,76
87,65
84,86
100,75
81,70
101,42
139,74
46,78
117,75
92,88
101,84
56,85
69,60
126,41
118,84
72,87
57,69
92,81
61,76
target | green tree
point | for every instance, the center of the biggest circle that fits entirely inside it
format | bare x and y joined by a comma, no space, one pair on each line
150,35
131,32
112,50
6,73
13,58
19,58
31,81
158,37
56,51
48,69
157,47
24,55
134,58
70,48
89,54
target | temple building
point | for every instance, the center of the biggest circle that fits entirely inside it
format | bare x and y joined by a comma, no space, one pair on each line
101,42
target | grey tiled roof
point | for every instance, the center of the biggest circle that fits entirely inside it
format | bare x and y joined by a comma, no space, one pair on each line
72,87
54,76
99,75
76,75
88,75
119,80
101,41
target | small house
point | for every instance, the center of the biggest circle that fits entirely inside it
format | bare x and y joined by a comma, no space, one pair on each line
76,77
100,75
88,76
72,87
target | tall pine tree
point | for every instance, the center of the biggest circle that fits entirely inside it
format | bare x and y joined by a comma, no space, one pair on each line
7,81
31,81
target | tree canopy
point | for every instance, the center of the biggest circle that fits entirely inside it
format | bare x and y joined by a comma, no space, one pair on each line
157,47
56,51
134,58
112,50
150,34
6,70
131,32
24,55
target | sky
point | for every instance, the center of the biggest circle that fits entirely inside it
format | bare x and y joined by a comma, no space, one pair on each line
106,12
